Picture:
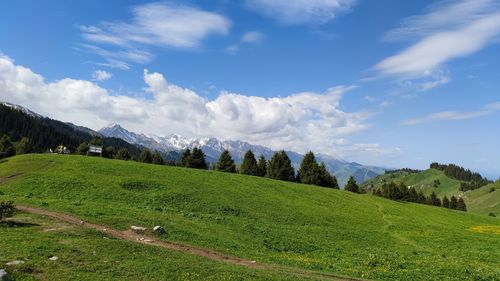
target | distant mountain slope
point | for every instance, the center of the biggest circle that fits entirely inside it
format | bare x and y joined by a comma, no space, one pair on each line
213,147
479,201
45,133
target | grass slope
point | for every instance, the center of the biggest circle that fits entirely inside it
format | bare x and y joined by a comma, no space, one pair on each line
483,200
255,218
478,201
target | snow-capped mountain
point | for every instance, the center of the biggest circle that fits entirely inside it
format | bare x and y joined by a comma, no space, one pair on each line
213,147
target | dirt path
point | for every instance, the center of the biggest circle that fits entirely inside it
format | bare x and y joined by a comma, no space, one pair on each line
9,178
147,239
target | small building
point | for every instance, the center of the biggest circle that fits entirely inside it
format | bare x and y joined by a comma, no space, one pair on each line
95,150
62,150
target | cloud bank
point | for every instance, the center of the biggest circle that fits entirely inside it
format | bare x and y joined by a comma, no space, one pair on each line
302,121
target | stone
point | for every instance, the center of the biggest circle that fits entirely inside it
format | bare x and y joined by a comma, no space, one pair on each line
14,262
159,229
53,258
4,276
138,228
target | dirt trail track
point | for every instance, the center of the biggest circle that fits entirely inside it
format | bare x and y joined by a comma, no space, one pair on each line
130,235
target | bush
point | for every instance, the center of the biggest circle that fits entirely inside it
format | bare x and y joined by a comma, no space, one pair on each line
7,209
491,214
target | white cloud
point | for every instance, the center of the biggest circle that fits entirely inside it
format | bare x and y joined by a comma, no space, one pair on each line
450,30
101,75
250,38
301,121
294,12
454,115
160,24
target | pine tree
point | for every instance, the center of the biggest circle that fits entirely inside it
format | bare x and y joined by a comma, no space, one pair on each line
325,178
453,202
446,202
108,152
226,163
157,159
309,169
433,200
6,147
123,154
249,164
461,205
280,167
82,149
198,159
352,186
24,146
262,166
186,158
146,156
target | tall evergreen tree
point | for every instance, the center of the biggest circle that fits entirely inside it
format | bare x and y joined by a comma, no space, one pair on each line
309,169
6,147
186,158
146,156
280,167
326,179
352,186
453,202
198,159
446,202
226,163
262,166
461,205
123,154
24,146
249,164
157,159
434,200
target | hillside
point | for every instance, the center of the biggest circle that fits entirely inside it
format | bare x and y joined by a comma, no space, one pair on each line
297,226
478,201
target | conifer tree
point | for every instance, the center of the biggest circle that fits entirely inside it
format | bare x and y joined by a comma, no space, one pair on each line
446,202
6,146
249,164
325,178
198,159
461,205
226,163
352,186
453,202
309,169
262,166
280,167
24,146
157,159
186,158
433,200
146,156
123,154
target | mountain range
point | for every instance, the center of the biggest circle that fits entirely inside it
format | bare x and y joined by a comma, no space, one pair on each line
213,147
169,146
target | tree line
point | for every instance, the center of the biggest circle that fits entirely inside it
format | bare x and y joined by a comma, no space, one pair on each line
400,192
470,180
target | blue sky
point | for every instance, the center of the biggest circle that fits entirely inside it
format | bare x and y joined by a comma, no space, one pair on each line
391,83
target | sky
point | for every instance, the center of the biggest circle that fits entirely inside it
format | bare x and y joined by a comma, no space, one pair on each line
389,83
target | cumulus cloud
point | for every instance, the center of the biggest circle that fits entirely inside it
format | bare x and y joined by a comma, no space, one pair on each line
161,24
450,30
294,12
454,115
101,75
300,121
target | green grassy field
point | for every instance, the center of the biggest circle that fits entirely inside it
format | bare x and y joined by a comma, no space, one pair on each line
479,201
269,221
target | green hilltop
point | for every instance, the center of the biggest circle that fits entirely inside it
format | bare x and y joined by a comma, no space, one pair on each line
291,225
480,201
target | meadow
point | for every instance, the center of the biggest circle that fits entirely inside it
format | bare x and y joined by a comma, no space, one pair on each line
273,222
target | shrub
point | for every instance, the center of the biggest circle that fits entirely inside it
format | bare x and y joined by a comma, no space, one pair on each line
7,209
